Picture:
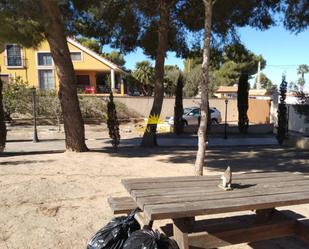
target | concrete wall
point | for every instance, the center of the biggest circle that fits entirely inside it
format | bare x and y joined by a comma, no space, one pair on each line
232,112
259,110
297,122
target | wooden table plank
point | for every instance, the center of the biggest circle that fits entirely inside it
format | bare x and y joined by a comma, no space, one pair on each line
189,209
121,205
202,189
248,175
206,182
221,194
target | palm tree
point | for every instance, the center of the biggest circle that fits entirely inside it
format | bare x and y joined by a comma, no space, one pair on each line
144,73
302,70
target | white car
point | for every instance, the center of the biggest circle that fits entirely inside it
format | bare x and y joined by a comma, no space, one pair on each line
192,116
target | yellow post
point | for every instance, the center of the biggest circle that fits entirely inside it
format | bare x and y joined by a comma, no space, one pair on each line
121,87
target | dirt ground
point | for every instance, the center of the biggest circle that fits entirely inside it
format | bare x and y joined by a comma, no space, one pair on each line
58,200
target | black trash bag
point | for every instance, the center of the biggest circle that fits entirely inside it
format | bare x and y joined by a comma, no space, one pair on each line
114,233
148,239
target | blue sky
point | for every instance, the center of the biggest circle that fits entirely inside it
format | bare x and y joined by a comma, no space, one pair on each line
282,50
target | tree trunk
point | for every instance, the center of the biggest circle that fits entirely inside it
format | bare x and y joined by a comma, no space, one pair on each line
72,117
200,156
2,123
150,135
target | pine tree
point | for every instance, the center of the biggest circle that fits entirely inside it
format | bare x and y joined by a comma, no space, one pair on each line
282,113
178,109
112,122
242,103
2,123
39,20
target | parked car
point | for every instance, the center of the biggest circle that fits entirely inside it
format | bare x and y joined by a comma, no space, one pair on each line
90,89
192,116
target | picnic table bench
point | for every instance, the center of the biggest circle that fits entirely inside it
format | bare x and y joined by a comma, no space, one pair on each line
182,199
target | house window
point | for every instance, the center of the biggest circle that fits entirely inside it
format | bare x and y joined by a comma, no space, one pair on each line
76,56
46,79
45,59
14,58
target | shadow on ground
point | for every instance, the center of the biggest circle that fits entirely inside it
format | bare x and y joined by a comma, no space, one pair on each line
257,158
280,243
30,140
25,153
16,163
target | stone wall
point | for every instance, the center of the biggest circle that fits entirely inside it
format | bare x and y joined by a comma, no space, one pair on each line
297,122
259,110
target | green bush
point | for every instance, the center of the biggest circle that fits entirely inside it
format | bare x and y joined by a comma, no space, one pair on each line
48,106
93,107
17,97
17,100
96,108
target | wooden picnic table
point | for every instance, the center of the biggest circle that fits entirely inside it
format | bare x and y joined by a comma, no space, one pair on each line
183,198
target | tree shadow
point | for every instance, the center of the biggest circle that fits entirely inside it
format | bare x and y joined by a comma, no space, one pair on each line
280,243
277,243
272,158
15,163
30,140
240,159
133,152
27,153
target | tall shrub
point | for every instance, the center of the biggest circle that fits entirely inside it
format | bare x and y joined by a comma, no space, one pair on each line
112,122
17,97
242,103
282,113
2,124
178,109
48,106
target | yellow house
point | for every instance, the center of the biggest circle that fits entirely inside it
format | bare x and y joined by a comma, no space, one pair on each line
93,72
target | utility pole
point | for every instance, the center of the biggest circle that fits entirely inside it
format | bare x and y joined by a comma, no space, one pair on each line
258,82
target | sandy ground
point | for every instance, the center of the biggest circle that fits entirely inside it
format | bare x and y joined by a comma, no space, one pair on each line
58,200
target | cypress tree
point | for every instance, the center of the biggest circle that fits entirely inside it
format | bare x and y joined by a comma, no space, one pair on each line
242,103
112,122
2,123
178,109
282,113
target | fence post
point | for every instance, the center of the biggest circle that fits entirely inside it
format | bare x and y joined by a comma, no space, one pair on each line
35,138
